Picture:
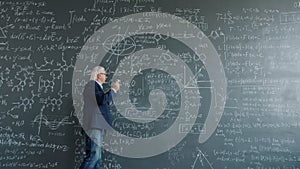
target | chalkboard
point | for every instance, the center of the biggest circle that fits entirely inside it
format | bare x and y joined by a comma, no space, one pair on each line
204,84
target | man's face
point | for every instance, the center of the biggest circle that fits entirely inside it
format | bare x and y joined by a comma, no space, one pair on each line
101,77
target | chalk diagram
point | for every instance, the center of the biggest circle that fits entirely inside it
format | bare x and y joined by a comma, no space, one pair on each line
201,159
55,124
112,45
3,31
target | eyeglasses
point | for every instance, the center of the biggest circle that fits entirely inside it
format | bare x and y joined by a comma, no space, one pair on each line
105,74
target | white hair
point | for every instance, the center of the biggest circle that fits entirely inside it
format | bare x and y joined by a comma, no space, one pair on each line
95,71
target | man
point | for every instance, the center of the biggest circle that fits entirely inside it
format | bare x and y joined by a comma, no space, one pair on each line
96,116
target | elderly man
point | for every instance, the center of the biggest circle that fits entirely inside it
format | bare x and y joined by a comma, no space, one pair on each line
96,116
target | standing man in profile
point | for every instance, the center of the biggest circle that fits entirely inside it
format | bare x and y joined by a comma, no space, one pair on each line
96,116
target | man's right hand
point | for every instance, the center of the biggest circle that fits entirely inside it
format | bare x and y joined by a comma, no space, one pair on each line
116,85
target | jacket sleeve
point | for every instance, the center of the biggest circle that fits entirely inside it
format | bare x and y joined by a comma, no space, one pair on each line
103,97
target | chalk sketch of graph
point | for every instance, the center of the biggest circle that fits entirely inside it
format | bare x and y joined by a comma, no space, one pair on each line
51,124
188,83
118,45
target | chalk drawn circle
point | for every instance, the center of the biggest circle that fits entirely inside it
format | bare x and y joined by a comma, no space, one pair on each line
126,47
93,52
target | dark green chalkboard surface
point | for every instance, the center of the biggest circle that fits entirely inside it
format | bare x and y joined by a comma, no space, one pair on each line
204,84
